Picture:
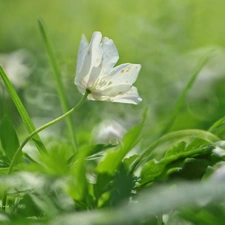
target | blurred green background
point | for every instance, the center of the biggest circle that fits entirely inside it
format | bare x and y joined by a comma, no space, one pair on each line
167,37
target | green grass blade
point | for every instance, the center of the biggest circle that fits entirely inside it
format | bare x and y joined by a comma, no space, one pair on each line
22,111
59,84
8,137
183,95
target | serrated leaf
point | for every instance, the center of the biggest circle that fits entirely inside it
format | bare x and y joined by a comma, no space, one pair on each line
8,136
120,191
194,168
172,138
196,143
177,149
151,170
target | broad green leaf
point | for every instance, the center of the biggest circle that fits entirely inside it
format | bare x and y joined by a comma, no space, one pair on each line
173,138
22,111
196,143
151,170
95,150
79,185
177,149
110,161
8,137
120,191
194,168
102,184
114,157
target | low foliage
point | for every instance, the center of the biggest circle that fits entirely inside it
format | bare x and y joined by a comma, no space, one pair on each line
175,178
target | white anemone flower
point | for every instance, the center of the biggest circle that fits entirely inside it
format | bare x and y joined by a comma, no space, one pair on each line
96,72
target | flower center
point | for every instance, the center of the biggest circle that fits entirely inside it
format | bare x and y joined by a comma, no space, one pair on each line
100,85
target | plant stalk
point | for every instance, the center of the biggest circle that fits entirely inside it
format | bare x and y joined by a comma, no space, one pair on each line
37,131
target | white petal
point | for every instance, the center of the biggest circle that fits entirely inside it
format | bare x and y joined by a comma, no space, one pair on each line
93,97
94,74
92,59
81,88
110,55
112,91
124,74
82,51
131,97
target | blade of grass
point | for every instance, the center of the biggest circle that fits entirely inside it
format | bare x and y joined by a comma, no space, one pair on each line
184,93
22,111
3,102
59,84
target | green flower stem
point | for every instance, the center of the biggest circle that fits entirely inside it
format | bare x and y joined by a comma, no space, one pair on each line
37,131
160,220
45,126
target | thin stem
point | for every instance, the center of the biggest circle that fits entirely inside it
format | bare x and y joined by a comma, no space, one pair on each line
184,93
37,131
45,126
160,220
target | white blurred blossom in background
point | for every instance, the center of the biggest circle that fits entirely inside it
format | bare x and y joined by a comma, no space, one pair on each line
17,66
108,132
